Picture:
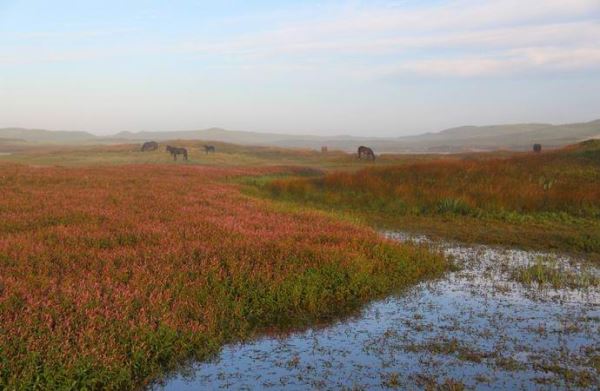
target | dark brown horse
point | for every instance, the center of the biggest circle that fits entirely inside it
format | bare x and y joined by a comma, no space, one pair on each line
177,151
209,148
537,148
150,146
366,152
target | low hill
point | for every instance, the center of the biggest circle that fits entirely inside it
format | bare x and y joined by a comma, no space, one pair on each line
215,134
46,136
515,137
464,138
512,137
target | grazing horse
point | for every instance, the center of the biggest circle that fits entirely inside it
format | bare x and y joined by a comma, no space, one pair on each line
537,148
367,152
177,151
209,148
150,146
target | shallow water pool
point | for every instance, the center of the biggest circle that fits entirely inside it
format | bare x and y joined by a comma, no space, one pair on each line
476,327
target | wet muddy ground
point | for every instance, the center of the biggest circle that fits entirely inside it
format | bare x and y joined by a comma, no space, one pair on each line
483,326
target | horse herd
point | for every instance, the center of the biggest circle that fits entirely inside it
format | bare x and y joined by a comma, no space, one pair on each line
363,151
174,151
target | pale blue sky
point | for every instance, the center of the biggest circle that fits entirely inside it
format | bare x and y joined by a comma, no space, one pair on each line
319,67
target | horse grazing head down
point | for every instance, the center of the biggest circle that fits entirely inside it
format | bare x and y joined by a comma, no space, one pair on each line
150,146
367,152
209,148
174,151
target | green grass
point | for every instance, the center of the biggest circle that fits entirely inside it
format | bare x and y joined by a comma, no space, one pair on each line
548,272
226,155
549,202
451,221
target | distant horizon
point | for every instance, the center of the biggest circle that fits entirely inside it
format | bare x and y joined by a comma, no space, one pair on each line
299,133
385,68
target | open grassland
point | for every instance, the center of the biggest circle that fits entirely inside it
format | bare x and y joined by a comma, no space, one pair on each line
111,276
118,265
226,155
549,200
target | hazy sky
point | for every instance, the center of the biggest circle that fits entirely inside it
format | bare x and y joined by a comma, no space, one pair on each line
317,67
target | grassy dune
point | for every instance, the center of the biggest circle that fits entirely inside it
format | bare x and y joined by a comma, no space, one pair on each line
111,276
546,201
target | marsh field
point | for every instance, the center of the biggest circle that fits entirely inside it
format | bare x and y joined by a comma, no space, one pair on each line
258,267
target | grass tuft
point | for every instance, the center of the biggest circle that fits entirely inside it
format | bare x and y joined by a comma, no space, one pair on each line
546,272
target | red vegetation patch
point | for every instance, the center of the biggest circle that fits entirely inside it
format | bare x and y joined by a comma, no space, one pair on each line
110,275
526,184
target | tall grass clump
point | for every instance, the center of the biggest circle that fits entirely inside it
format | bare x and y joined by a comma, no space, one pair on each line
547,272
551,199
524,184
